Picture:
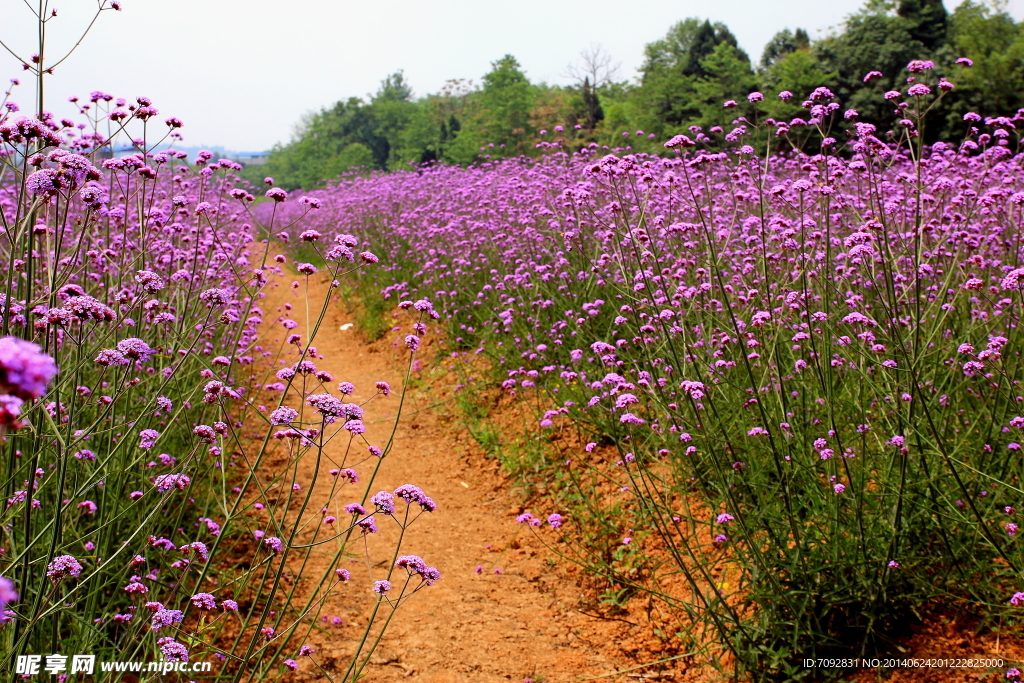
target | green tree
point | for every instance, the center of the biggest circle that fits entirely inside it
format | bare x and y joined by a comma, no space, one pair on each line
498,114
873,39
800,73
354,155
317,148
688,74
393,110
926,20
990,37
783,43
727,76
505,101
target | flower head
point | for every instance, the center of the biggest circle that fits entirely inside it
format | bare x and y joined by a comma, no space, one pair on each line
25,371
62,567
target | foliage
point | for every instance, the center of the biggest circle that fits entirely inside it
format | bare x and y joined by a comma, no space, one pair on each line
991,38
685,78
783,43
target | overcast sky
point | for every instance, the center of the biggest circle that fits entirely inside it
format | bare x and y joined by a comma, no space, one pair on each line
240,73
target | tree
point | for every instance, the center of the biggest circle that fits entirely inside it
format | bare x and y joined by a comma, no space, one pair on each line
873,39
506,100
783,43
394,88
685,73
926,21
593,111
799,73
318,147
596,66
989,36
497,115
704,44
594,70
393,110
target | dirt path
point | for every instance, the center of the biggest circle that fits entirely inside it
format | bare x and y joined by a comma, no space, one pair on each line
516,625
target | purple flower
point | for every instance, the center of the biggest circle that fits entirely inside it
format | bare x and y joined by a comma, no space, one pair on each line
328,406
7,593
274,543
148,437
204,601
173,651
283,415
414,494
413,563
165,482
625,400
80,308
44,183
229,605
25,371
430,575
356,427
165,617
381,587
215,296
136,349
62,567
384,501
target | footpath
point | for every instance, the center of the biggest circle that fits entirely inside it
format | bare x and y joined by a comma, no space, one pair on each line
501,611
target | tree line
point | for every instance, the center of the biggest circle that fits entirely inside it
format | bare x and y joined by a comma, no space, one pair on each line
684,79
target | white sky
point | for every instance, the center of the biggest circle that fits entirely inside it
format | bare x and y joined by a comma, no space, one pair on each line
240,73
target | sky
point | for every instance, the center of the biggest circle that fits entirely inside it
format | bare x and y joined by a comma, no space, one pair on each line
241,73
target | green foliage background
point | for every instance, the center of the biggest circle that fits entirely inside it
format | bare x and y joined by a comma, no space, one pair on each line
684,79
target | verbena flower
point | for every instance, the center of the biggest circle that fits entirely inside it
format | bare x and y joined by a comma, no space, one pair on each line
62,567
25,371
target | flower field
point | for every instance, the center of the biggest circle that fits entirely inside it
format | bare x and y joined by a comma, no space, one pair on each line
145,383
762,378
789,381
